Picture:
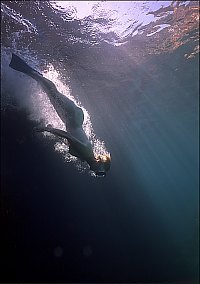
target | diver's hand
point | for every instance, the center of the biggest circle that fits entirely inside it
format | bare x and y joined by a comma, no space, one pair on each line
43,128
49,126
39,128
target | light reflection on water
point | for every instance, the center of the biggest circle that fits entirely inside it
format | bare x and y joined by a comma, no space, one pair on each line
157,114
124,19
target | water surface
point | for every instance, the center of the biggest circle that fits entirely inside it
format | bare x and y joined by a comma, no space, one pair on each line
133,67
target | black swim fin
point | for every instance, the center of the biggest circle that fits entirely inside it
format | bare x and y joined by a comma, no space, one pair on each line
20,65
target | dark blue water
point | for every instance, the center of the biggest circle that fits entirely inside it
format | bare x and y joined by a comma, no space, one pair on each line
138,80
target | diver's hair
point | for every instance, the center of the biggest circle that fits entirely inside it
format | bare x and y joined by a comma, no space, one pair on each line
102,157
105,159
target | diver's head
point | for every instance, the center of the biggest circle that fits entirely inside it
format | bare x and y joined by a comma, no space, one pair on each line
101,165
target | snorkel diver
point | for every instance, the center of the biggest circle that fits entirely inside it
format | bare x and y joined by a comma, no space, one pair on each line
71,115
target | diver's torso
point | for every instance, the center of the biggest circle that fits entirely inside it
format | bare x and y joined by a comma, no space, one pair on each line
83,152
79,134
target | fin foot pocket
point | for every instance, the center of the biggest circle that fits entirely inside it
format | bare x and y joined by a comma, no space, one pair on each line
20,65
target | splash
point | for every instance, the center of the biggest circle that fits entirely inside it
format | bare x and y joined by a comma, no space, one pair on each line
43,111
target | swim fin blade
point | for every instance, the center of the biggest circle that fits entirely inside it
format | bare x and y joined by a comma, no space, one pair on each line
20,65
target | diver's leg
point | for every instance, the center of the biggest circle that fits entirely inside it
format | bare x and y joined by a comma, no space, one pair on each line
69,113
20,65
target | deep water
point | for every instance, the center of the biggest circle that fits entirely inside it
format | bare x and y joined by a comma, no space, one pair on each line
140,223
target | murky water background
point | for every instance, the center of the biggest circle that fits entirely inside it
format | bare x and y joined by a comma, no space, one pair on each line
133,67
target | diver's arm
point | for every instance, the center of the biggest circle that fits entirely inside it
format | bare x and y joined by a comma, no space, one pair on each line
61,133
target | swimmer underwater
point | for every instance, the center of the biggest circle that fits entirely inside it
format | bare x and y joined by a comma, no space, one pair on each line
71,115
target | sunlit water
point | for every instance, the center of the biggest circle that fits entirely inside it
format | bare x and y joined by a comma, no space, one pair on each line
132,67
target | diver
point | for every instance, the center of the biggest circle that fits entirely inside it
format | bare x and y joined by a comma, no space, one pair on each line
71,115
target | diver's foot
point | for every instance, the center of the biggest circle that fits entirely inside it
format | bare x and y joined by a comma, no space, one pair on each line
34,72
